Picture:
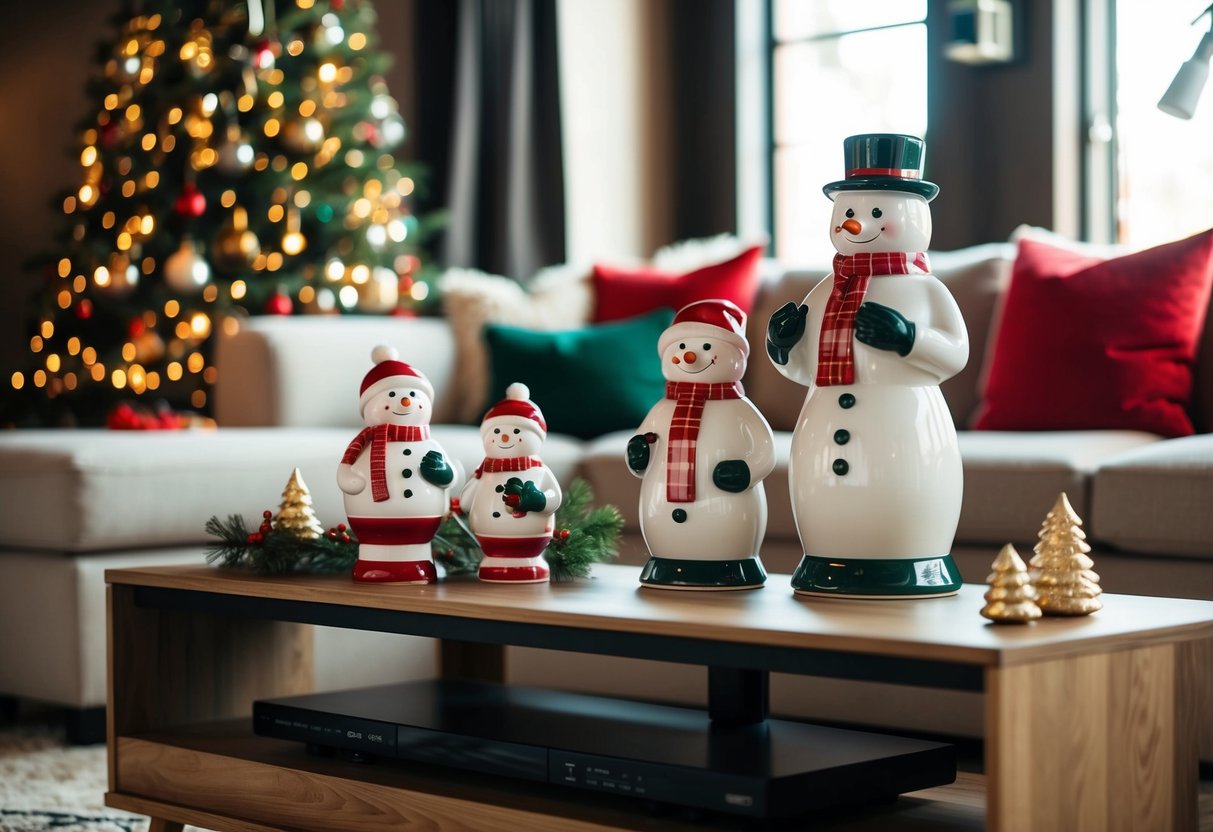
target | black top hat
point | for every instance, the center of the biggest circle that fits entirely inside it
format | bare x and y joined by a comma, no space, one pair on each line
884,162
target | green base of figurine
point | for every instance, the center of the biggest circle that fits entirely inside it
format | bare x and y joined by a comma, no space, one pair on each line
878,578
675,573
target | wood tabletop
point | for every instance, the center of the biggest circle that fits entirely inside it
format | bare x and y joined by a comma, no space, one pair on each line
942,629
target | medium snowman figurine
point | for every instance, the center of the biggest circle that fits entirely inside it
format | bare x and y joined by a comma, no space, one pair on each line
875,473
511,501
702,453
394,476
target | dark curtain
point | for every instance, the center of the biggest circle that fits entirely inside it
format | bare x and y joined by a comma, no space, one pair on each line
489,104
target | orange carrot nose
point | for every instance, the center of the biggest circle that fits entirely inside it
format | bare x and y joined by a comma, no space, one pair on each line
852,226
689,357
405,402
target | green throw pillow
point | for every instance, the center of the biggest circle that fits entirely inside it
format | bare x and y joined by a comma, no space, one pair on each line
588,381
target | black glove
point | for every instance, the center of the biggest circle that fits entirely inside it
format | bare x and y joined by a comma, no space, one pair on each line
732,475
884,328
435,469
785,330
523,496
638,451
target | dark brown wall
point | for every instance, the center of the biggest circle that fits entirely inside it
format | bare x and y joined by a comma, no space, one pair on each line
990,147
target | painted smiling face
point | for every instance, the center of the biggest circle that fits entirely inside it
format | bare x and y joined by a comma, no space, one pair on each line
879,221
510,436
397,405
704,359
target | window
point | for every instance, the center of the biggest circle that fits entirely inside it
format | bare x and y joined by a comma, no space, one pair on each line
1163,162
839,67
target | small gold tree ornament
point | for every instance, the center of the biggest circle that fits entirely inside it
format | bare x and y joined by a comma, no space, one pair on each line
296,515
1011,598
1061,571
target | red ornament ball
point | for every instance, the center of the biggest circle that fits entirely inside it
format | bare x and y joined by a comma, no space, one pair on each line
279,304
191,202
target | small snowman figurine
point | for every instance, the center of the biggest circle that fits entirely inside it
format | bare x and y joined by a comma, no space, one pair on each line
394,476
874,471
702,453
511,500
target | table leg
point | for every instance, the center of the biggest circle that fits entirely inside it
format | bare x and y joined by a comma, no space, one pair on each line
1097,742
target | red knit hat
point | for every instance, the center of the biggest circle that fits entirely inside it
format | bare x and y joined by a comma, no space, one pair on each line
517,404
389,371
717,319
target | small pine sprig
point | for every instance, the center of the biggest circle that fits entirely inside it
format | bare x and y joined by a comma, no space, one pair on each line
584,535
455,549
279,552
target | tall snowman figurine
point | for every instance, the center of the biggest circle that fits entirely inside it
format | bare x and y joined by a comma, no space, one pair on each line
511,501
875,473
394,476
702,453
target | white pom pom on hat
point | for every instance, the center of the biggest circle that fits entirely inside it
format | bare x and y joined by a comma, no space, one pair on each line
517,404
389,371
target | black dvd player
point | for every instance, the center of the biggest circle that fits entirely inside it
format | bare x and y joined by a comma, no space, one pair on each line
662,753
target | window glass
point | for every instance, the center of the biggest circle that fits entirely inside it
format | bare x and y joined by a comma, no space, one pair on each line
796,19
825,90
1165,164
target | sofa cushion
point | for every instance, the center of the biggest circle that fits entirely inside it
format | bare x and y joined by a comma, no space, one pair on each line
304,371
1087,343
90,490
1011,480
1156,499
624,292
588,381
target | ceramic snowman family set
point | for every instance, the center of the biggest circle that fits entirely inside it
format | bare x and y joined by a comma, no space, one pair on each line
875,472
396,481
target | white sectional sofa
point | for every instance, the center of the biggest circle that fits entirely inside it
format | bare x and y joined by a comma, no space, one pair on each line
76,502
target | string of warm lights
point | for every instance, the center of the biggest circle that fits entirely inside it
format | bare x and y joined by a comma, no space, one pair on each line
233,166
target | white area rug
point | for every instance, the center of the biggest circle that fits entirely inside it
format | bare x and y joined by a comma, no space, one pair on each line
47,785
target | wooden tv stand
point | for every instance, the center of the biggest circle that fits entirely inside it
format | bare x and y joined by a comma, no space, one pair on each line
1091,723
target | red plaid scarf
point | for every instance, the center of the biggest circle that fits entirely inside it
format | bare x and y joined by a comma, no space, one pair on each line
689,397
835,346
379,436
512,463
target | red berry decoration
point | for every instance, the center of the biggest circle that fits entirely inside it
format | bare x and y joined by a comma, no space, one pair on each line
191,202
267,514
563,534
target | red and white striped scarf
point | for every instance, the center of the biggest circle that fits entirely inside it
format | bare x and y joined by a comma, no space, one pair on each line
852,273
510,463
689,397
378,437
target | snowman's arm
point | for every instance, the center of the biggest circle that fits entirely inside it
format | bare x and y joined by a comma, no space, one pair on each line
468,495
761,457
349,480
801,366
941,343
638,453
551,490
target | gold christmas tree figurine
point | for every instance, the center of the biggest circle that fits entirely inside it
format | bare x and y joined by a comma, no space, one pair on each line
1011,598
1061,570
296,515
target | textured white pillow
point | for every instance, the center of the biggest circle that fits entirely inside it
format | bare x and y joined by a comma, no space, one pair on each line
559,297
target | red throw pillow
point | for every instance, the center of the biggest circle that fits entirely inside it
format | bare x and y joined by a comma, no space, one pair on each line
623,292
1088,344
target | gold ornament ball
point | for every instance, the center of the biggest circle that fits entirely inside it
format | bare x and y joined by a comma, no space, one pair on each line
235,245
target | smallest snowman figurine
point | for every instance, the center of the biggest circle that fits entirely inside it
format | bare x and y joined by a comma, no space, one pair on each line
511,500
394,476
702,453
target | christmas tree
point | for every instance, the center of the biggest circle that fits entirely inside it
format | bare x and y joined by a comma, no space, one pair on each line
1061,570
1011,597
296,514
239,161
